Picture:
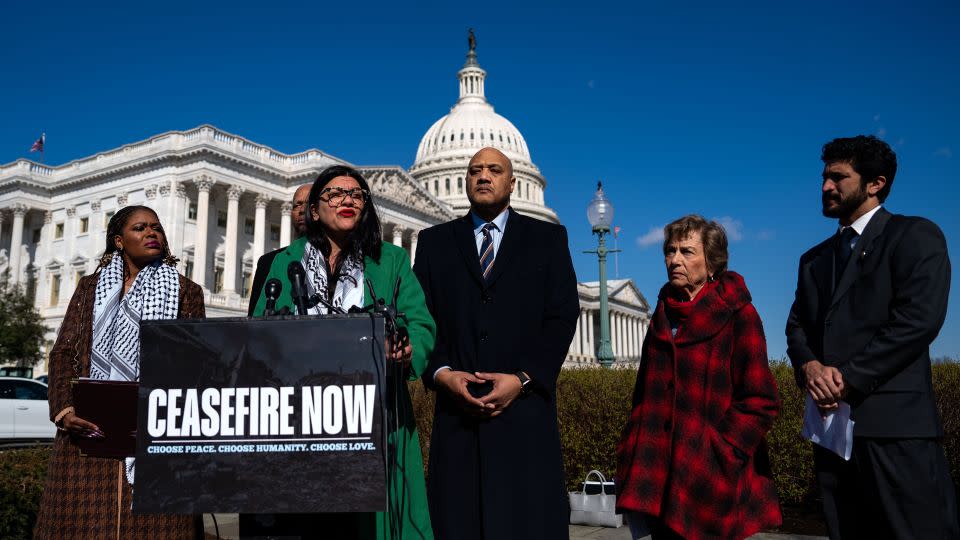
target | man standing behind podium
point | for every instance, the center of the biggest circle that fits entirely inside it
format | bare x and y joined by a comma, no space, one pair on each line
264,262
869,301
502,290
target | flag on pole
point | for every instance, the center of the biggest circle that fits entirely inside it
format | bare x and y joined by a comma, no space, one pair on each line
616,231
38,144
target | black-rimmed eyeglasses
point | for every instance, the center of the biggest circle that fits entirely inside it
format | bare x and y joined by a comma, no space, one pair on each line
335,196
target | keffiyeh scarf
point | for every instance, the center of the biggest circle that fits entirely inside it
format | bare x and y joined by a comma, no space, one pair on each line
349,286
155,294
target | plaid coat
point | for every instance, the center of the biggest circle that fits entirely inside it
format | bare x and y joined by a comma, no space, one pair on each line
80,497
693,451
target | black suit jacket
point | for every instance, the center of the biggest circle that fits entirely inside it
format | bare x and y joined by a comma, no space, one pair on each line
876,325
522,318
260,277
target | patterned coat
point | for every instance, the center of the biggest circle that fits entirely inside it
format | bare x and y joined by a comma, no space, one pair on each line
693,451
80,495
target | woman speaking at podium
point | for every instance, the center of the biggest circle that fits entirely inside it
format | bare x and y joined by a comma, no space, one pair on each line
342,250
89,497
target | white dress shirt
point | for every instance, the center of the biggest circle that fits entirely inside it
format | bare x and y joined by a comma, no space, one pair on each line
496,233
861,223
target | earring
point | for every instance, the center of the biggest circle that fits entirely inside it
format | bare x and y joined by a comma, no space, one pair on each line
710,278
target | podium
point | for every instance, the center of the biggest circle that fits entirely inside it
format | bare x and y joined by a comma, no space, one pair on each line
272,415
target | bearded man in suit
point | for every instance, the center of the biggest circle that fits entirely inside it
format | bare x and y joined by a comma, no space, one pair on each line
870,300
502,290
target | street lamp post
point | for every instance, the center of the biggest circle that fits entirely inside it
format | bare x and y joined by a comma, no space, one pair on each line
600,216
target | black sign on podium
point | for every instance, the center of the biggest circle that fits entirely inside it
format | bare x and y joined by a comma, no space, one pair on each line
261,416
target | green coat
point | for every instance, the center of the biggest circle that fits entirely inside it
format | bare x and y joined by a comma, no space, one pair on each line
411,492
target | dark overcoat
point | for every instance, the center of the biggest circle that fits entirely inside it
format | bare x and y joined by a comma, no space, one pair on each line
693,451
80,494
500,478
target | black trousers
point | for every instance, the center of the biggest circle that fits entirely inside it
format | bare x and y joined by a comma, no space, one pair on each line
890,488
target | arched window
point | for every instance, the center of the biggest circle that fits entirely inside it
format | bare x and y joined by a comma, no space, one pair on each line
471,135
436,188
460,186
443,139
447,189
461,135
481,135
501,137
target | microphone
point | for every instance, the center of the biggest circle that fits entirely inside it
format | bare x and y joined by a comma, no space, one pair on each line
298,282
272,290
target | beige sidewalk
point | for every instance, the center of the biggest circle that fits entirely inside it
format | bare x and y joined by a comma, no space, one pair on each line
230,530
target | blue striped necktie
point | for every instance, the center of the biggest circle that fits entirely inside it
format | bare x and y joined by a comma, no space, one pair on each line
486,250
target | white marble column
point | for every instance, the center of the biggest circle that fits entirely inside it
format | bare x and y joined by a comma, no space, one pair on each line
628,345
285,223
580,334
44,255
633,337
639,333
260,227
619,336
16,242
95,228
182,203
627,351
576,339
640,336
175,197
204,184
584,333
414,236
230,247
398,235
628,336
614,338
591,344
70,230
150,192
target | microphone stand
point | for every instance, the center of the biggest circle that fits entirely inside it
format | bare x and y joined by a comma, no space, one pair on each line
396,335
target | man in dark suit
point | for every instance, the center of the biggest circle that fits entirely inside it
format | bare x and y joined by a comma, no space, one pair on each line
869,302
502,290
264,262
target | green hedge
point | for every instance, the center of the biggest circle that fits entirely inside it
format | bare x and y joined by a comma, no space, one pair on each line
21,483
592,408
593,405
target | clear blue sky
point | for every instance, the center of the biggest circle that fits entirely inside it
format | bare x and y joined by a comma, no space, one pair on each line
718,108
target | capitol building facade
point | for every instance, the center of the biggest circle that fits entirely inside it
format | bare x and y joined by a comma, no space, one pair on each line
225,200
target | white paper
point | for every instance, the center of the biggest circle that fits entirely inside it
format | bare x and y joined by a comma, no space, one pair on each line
833,431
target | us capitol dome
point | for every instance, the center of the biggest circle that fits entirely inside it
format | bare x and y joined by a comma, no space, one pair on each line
445,150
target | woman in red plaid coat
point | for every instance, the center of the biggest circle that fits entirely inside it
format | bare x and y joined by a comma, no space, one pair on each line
692,462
